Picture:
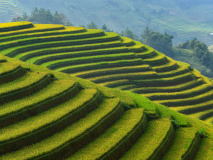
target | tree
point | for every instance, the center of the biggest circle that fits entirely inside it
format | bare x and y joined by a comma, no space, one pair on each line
128,33
193,43
184,45
92,25
104,27
160,42
200,50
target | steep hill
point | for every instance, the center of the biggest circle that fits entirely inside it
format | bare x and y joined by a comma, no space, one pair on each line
52,115
184,19
113,61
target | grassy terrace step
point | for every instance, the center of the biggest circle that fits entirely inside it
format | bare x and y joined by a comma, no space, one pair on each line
32,51
194,108
23,86
209,120
67,30
137,47
149,53
49,56
130,76
184,146
43,125
127,41
154,142
178,71
63,49
126,87
100,65
180,79
180,94
116,83
89,59
205,147
171,65
197,101
207,115
5,27
13,48
74,136
10,71
168,89
158,60
110,71
9,39
22,53
203,115
117,139
37,28
55,93
39,40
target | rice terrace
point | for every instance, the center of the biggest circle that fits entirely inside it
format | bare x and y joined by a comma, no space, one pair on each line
75,93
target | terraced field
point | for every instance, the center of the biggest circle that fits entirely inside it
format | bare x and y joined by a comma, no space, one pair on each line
110,60
46,114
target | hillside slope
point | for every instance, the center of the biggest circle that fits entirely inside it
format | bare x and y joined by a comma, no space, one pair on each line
113,61
183,19
52,115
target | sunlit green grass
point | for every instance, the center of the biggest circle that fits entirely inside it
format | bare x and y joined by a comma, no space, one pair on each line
205,147
52,115
36,28
44,38
180,94
176,88
67,135
7,67
104,78
202,113
127,41
41,34
28,44
14,26
195,100
159,56
114,70
182,140
42,57
200,106
174,80
87,59
20,83
137,46
90,66
53,89
115,134
180,70
163,111
63,49
166,67
149,141
150,52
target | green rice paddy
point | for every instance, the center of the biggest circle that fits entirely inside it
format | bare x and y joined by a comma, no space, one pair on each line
47,114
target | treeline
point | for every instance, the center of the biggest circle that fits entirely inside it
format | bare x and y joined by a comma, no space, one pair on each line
44,16
200,50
